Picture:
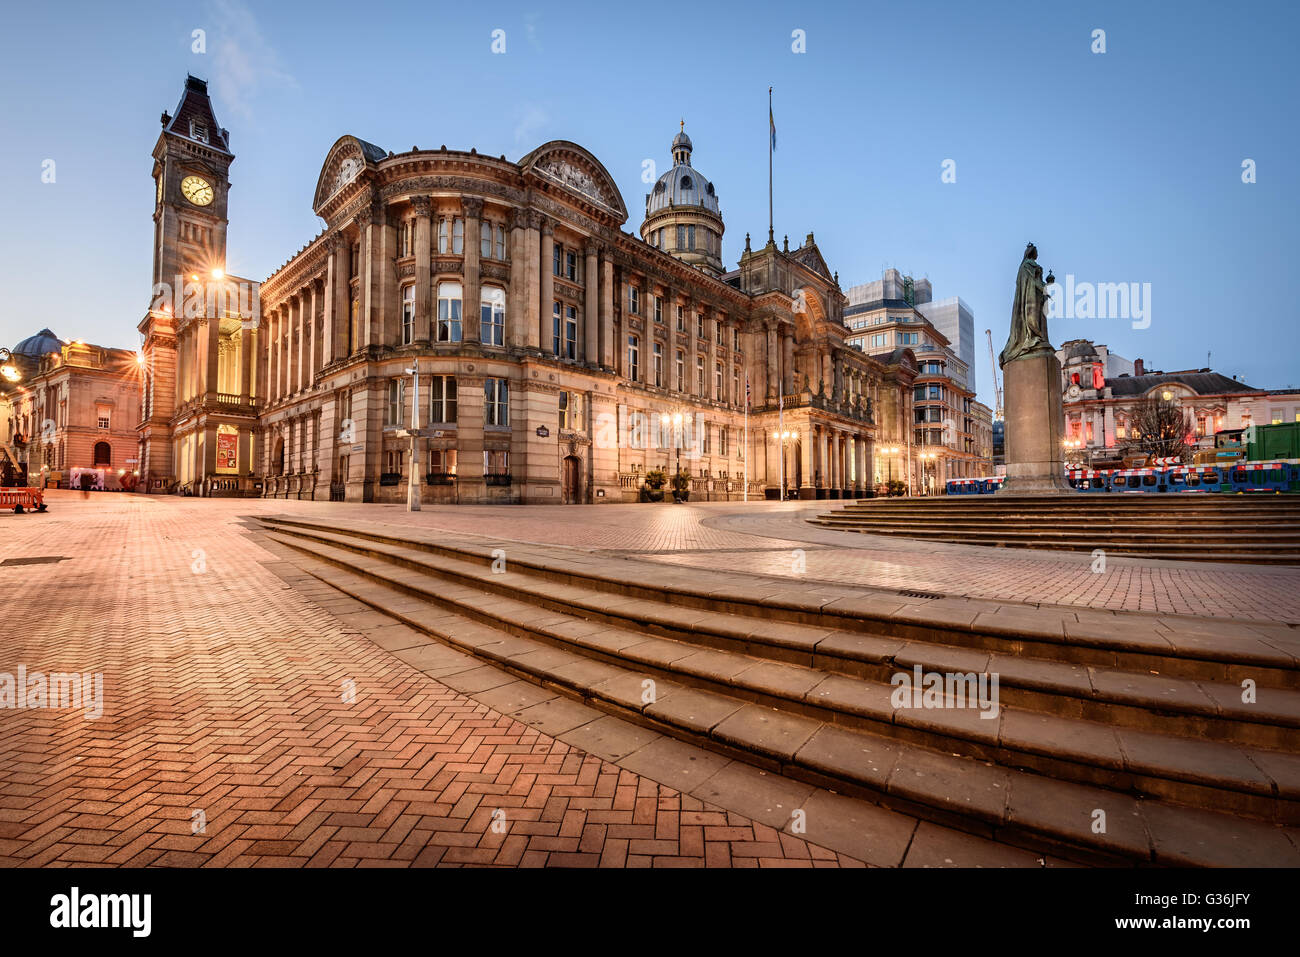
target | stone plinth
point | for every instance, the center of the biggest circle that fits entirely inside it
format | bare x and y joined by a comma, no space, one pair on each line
1034,426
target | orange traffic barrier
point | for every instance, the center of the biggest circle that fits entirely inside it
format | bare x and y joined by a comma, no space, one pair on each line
22,499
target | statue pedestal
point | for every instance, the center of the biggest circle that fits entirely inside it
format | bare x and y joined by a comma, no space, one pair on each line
1035,422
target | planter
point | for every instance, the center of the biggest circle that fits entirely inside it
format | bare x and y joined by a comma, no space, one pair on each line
498,480
650,494
390,478
439,478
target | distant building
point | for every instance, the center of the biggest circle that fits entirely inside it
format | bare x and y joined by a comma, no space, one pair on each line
948,426
1099,390
74,406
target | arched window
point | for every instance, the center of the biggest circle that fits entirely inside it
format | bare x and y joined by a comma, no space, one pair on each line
103,454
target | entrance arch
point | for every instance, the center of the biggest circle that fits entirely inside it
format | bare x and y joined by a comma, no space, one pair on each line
571,480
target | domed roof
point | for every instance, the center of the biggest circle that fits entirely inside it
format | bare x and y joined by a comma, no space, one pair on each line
1080,349
38,345
682,185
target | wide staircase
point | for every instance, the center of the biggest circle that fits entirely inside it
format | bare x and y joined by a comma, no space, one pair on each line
1117,740
1263,529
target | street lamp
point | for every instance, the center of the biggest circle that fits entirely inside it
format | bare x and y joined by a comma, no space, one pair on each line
928,458
1073,451
783,438
889,452
675,420
7,367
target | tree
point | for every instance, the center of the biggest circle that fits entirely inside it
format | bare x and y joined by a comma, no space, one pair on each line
1158,428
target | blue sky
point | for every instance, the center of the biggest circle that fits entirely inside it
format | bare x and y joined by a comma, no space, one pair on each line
1122,167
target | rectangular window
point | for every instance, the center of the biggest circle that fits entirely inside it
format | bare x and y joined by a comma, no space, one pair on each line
492,316
449,303
442,235
634,358
103,420
717,381
1200,425
681,237
496,462
699,326
659,309
408,314
557,329
659,364
571,332
198,131
501,242
557,252
681,370
633,300
681,318
707,437
717,332
404,239
735,384
442,462
442,398
571,265
690,237
393,461
396,397
485,239
699,376
496,402
458,236
571,411
722,441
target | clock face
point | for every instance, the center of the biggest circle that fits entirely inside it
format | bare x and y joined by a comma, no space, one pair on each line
197,190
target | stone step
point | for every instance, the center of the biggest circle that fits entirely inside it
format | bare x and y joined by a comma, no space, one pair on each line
1199,649
1204,773
1183,532
1011,805
1122,698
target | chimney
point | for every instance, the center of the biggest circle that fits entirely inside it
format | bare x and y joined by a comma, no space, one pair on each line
1138,367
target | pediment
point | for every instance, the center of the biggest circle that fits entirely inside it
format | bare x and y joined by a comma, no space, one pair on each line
575,170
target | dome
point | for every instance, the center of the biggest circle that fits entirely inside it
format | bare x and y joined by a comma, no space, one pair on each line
682,141
682,185
1080,349
34,347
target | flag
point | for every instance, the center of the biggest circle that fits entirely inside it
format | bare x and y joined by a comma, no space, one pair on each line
771,122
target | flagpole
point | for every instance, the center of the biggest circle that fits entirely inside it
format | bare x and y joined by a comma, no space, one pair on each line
746,446
771,238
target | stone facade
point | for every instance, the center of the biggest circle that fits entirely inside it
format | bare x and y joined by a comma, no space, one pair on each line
75,407
553,347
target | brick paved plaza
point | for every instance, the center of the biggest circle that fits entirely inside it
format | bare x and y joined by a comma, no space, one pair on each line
255,716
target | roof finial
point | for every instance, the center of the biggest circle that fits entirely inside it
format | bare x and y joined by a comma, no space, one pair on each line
683,124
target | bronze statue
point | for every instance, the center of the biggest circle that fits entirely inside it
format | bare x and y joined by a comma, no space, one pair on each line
1029,311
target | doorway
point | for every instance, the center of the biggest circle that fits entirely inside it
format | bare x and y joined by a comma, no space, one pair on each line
571,480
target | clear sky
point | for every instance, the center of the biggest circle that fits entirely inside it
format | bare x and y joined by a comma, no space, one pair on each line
1123,166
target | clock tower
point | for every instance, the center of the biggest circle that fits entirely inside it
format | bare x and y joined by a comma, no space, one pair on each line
191,186
179,354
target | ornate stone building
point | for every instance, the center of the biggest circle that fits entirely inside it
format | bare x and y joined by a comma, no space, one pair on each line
66,407
553,348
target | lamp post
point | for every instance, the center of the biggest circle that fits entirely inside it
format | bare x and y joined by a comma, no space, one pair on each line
675,420
927,458
782,438
889,452
1073,452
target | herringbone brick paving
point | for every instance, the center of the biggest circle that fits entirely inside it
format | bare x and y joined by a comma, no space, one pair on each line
244,726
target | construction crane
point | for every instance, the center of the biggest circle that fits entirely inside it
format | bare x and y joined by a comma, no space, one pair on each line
997,387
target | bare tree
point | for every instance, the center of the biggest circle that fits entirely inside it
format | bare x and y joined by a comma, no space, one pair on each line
1158,428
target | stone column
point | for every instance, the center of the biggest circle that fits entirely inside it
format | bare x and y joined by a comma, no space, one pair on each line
838,359
773,364
546,297
591,307
291,348
788,385
711,372
313,346
532,290
471,313
806,488
670,321
608,347
212,363
693,351
516,308
247,351
423,249
865,465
